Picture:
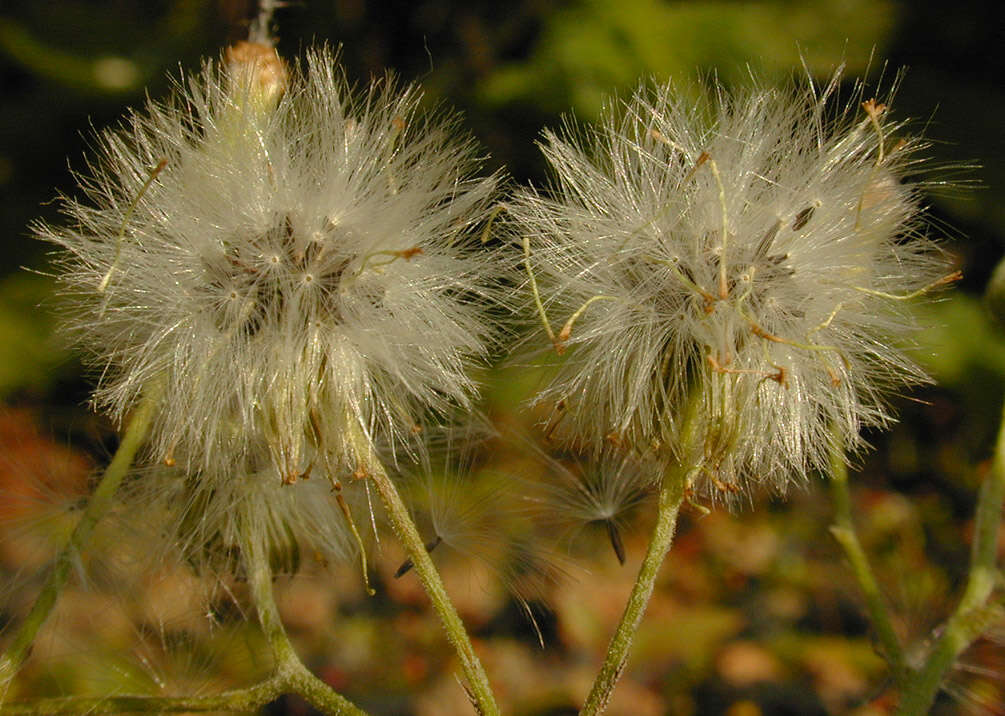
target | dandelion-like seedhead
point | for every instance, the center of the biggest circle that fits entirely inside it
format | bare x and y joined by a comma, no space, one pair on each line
732,277
290,258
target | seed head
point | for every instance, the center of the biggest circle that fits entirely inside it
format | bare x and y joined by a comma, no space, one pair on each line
730,276
467,512
291,258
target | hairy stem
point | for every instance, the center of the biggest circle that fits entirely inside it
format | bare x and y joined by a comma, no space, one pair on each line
478,686
973,613
670,497
97,507
843,530
260,30
291,673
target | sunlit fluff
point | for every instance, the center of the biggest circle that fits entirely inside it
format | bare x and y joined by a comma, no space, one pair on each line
292,259
737,266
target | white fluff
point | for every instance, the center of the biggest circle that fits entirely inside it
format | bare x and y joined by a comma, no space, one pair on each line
301,268
742,260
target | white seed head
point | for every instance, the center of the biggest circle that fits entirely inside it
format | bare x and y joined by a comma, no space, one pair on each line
294,260
742,261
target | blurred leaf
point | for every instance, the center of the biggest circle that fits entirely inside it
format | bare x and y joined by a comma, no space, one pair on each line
596,46
111,52
28,354
101,74
960,342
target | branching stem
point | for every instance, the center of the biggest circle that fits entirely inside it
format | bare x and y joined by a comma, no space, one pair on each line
290,672
972,614
237,700
290,675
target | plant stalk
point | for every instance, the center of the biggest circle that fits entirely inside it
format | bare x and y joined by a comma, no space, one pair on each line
844,532
671,496
237,700
972,615
291,673
290,676
478,686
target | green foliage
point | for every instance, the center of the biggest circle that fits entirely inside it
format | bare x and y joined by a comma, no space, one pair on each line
594,46
960,343
30,354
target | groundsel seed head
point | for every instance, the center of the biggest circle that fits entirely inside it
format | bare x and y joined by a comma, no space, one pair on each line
293,259
729,277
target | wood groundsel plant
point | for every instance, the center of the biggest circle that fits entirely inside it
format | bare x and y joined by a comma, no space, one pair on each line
286,286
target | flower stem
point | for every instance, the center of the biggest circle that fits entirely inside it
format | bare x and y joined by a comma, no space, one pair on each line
670,497
972,615
291,674
237,700
315,691
843,530
478,686
97,507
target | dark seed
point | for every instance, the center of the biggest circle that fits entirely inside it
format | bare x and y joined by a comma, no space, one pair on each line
616,543
764,245
408,563
803,218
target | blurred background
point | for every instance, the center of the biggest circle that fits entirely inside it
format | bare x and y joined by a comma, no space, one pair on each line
756,612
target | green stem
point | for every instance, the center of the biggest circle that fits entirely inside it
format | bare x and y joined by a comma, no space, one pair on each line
478,686
291,674
843,530
238,700
972,615
97,507
670,497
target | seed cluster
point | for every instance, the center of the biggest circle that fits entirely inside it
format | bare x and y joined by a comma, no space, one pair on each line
292,261
731,277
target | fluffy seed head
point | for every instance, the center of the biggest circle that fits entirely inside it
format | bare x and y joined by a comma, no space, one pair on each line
729,277
291,258
481,517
